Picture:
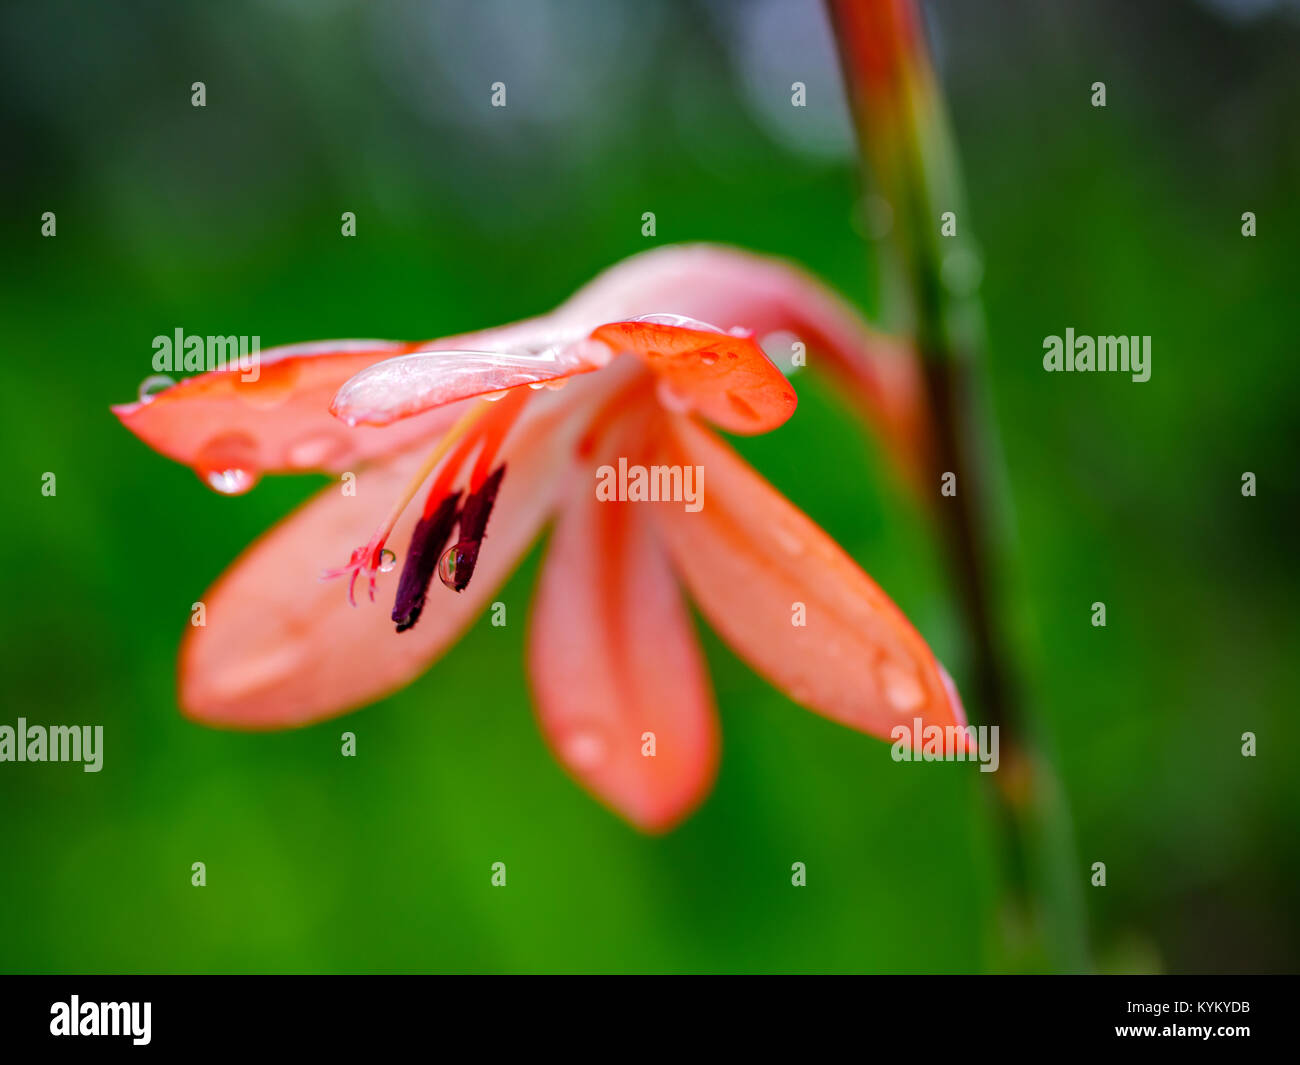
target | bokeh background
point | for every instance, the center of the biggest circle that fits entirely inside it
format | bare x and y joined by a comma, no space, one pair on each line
226,220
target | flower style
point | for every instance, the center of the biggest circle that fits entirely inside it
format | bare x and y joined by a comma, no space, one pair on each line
461,449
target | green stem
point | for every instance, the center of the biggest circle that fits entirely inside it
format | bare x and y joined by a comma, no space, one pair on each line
906,148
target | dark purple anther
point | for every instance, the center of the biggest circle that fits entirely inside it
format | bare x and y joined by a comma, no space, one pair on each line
473,524
427,541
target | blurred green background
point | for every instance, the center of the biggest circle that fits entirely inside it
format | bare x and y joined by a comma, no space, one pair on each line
226,220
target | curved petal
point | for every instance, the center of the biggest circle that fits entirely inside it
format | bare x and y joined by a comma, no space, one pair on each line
730,287
613,659
407,385
281,647
757,567
676,289
723,376
218,422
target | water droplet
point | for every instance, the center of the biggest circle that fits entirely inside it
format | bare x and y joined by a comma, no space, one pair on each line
584,749
679,321
448,563
555,384
152,385
537,385
902,689
274,384
492,397
316,451
387,560
708,357
228,463
789,540
231,482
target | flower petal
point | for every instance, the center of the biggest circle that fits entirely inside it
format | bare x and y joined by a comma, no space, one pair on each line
407,385
675,288
277,423
723,376
757,567
615,665
730,287
282,648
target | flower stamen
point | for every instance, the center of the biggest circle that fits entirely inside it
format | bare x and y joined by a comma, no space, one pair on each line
366,561
431,533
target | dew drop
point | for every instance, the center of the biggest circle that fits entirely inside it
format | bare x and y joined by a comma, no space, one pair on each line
679,321
537,386
152,385
789,540
231,482
228,463
274,384
492,397
316,451
449,562
387,560
708,357
555,384
902,690
584,749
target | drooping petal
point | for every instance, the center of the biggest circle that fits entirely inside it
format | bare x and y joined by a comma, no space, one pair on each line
791,602
282,648
724,377
279,422
730,288
615,667
669,306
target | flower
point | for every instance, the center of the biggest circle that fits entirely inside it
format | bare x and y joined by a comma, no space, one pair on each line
628,370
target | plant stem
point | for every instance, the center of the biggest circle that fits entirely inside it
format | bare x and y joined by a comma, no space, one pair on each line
907,151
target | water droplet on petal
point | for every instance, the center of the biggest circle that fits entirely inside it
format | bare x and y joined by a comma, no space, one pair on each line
448,563
708,357
537,386
492,397
274,384
152,385
583,749
789,540
387,560
679,321
902,690
228,463
555,384
232,482
316,451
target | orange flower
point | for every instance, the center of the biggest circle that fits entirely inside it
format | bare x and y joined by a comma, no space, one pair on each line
623,374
